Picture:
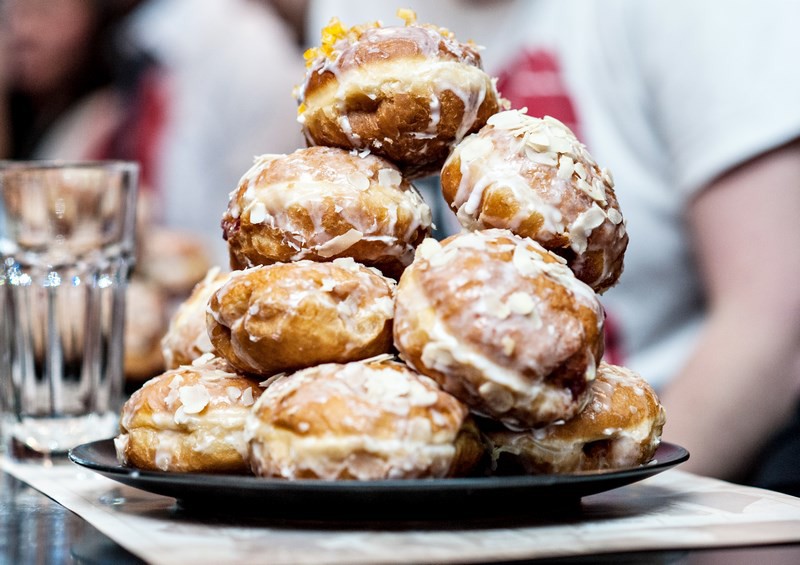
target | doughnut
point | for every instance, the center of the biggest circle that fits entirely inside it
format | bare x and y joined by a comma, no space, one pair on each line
174,260
321,203
145,322
621,427
407,93
289,316
502,324
187,338
364,420
188,420
533,177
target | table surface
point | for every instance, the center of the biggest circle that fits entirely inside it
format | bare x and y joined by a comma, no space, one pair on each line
35,529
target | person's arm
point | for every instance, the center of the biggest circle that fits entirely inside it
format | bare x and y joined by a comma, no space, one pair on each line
743,379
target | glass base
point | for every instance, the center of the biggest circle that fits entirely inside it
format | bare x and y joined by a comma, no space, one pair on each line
59,435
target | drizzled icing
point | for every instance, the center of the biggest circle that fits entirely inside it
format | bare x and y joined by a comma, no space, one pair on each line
381,420
624,419
540,171
193,409
264,307
499,309
376,63
319,202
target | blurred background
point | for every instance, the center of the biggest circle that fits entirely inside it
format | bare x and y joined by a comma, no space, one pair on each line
192,91
693,106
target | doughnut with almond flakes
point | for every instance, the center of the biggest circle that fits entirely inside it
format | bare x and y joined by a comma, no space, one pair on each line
366,420
533,177
502,324
188,420
621,427
321,203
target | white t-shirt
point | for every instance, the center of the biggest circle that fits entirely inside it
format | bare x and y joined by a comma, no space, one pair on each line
230,68
666,94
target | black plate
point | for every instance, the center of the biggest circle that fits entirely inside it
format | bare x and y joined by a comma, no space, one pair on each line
314,499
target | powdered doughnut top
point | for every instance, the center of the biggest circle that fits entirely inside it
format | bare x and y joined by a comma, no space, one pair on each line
533,177
407,93
321,203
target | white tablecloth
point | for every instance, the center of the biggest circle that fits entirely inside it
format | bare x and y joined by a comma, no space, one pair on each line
673,510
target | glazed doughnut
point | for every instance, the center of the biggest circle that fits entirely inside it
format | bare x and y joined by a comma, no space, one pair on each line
288,316
188,420
533,177
502,324
187,338
407,93
621,427
364,420
321,203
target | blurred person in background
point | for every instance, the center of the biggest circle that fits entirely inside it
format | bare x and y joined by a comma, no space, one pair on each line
192,91
56,74
694,108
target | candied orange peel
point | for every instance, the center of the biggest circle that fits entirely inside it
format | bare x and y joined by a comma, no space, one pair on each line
332,33
407,15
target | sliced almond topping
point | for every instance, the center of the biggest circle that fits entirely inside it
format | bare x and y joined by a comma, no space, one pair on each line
566,166
194,398
389,177
233,392
508,345
541,157
605,174
358,180
598,191
247,397
428,248
258,213
581,170
521,303
525,262
510,119
584,186
561,145
475,148
538,140
337,244
614,216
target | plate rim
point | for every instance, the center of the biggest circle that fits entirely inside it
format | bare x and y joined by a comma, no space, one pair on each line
81,455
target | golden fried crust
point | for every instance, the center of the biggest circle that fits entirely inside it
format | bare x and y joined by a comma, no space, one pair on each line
405,93
285,317
187,337
536,179
322,203
361,420
189,419
501,324
621,427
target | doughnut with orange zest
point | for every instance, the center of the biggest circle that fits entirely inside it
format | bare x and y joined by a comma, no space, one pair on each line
407,93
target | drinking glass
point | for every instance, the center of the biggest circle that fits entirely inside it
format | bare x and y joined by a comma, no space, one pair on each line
67,243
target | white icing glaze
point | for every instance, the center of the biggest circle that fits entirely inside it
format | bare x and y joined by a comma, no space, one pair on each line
544,171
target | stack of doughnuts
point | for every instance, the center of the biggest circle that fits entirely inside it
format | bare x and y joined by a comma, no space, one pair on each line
346,344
